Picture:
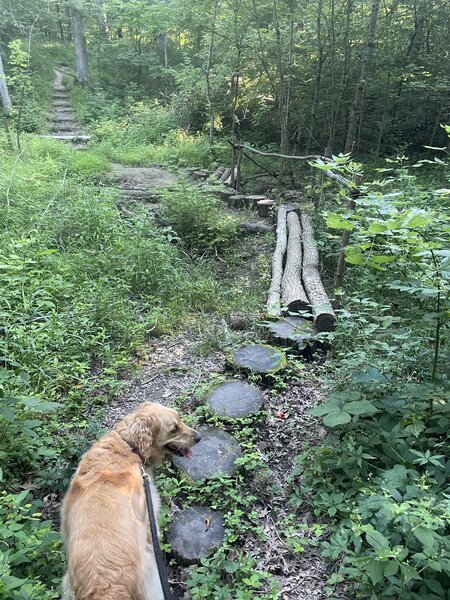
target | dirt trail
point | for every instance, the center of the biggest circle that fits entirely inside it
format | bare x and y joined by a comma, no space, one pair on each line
173,369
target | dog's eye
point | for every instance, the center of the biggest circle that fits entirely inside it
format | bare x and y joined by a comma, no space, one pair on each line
175,428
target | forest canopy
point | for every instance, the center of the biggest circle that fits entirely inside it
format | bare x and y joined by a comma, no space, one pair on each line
340,75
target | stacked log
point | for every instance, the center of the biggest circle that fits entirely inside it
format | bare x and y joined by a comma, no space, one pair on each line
293,296
322,311
274,299
296,285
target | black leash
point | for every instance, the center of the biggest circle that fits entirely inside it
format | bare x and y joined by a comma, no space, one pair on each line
154,531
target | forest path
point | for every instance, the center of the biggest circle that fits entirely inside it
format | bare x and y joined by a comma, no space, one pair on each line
63,125
174,373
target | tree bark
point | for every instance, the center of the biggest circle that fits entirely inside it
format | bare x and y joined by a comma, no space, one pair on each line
4,93
321,308
81,59
207,73
101,19
319,65
274,297
356,109
293,296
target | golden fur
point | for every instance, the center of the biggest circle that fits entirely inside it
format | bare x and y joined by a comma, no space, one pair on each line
104,516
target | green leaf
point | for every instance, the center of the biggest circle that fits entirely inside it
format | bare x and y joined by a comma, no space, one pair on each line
335,221
425,536
390,568
360,407
417,218
377,228
353,256
337,417
376,539
375,571
409,572
382,258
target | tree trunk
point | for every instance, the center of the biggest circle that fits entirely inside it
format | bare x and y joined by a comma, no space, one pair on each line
4,93
319,64
321,308
81,59
355,112
101,19
207,73
274,297
293,296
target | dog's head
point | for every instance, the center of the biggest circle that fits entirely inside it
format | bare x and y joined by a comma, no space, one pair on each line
153,429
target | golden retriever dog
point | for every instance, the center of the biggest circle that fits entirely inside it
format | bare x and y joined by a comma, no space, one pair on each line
104,514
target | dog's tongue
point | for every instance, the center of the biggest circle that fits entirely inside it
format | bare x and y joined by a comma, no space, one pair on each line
189,454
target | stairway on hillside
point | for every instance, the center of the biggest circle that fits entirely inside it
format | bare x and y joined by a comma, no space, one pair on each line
63,125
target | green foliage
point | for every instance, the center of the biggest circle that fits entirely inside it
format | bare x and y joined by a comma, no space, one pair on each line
381,476
196,218
30,551
382,479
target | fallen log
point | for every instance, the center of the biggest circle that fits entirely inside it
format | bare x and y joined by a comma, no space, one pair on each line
218,173
293,296
253,199
322,311
228,179
274,297
256,228
225,175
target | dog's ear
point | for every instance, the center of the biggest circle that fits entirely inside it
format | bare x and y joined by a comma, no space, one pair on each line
139,432
143,431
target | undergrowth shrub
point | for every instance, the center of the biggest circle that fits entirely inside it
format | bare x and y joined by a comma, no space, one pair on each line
196,218
381,476
82,289
30,551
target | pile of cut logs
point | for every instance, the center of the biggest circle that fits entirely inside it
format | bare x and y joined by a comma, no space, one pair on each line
296,285
233,198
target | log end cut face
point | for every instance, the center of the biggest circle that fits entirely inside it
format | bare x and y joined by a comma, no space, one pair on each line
235,400
215,454
195,533
293,330
259,358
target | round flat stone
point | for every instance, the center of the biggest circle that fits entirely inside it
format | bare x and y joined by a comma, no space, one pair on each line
195,533
235,399
291,329
215,454
260,358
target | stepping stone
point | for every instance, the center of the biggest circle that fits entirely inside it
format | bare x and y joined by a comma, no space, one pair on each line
215,454
259,358
293,332
236,201
235,400
68,138
264,207
195,533
64,117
